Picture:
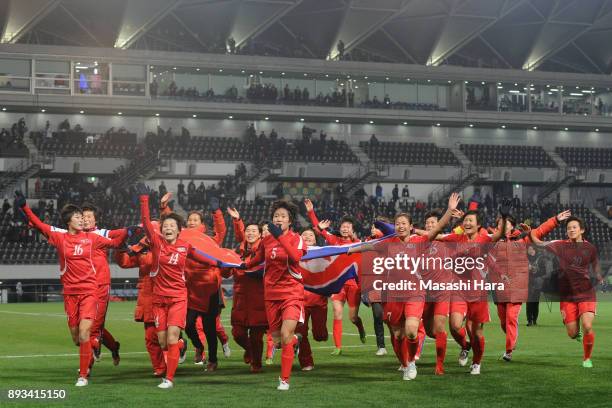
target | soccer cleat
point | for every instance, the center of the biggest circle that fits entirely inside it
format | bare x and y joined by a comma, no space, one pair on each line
282,385
82,382
211,367
183,351
362,334
198,359
115,354
381,351
475,369
410,372
587,363
507,357
165,384
578,337
308,368
227,352
336,352
269,361
463,357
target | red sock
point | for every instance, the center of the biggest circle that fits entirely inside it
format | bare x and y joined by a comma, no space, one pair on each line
441,339
396,348
404,351
287,356
221,334
269,345
338,333
459,337
108,340
173,359
421,339
155,351
588,340
479,346
413,347
85,356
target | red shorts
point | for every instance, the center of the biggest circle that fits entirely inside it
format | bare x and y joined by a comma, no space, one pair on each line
571,311
80,307
459,306
432,309
350,294
279,310
169,311
395,313
103,295
478,312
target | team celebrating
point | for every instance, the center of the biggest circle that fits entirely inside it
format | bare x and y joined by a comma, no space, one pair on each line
179,286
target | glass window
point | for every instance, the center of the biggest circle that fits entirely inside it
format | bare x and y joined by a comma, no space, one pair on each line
510,97
15,75
485,96
602,97
577,100
545,98
90,78
52,77
129,79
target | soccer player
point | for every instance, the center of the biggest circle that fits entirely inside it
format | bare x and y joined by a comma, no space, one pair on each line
283,288
375,301
472,304
76,250
169,290
351,292
315,310
203,281
99,333
512,267
577,263
404,316
249,321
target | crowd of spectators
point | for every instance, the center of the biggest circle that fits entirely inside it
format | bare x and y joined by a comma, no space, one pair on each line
11,140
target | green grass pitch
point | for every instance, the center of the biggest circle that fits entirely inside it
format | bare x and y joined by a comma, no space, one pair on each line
36,353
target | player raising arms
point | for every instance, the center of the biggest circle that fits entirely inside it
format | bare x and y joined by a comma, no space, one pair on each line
249,322
511,266
99,333
283,288
204,297
577,264
315,310
472,305
351,292
76,249
169,290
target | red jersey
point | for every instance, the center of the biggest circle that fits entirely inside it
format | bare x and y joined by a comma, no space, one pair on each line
169,260
576,262
76,254
204,280
282,257
144,302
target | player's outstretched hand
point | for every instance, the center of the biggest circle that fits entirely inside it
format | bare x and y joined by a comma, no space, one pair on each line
233,213
275,230
505,207
453,201
308,204
324,224
163,203
562,216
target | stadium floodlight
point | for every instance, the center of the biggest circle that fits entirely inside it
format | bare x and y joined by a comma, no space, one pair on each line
3,109
450,82
266,118
43,110
471,125
260,72
503,126
305,74
437,124
597,130
301,119
371,122
230,117
81,112
338,121
405,123
194,116
220,69
157,114
535,128
429,80
198,69
119,113
566,129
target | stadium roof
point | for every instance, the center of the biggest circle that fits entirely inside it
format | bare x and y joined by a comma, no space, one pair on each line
552,35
